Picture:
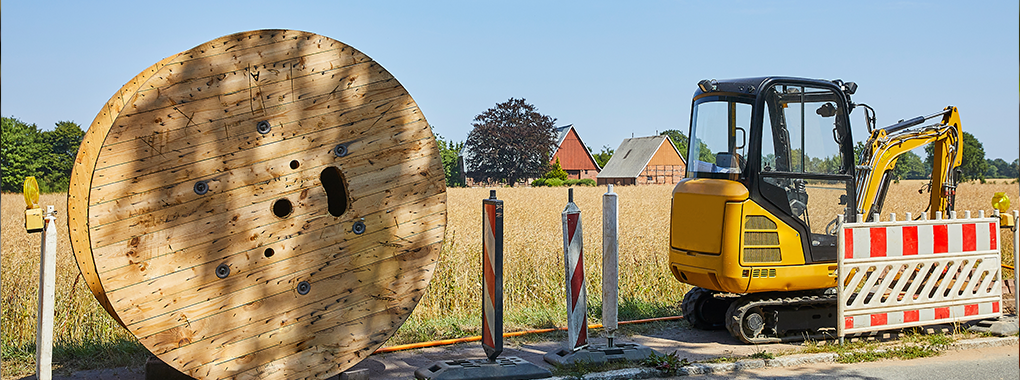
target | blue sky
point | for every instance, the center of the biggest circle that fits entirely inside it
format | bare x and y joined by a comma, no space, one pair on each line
612,69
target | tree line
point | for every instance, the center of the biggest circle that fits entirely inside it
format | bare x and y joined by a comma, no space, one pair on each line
26,151
509,143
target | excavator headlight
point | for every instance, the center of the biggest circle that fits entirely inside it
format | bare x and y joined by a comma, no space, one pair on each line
707,85
850,88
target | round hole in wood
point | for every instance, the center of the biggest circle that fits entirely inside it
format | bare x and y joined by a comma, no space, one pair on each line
282,208
269,252
294,164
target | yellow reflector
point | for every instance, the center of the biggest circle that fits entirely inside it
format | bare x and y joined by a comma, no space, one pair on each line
1000,202
31,191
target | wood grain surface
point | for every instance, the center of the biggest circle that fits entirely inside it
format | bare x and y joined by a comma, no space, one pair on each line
289,252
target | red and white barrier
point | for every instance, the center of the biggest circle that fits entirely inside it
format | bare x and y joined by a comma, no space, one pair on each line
573,259
910,273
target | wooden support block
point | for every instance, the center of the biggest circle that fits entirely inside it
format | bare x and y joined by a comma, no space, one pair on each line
270,204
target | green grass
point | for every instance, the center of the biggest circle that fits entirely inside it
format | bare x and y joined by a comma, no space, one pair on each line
913,344
74,356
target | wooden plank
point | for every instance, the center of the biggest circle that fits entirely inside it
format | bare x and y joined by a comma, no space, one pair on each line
140,178
156,241
135,278
167,295
177,195
159,232
81,179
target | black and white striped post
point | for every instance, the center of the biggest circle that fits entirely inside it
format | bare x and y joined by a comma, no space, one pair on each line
492,276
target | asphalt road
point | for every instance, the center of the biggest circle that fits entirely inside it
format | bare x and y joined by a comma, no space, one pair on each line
977,364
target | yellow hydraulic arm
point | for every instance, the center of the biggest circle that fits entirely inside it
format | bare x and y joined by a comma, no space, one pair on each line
886,144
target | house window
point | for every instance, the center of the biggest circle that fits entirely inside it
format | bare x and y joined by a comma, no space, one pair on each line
649,178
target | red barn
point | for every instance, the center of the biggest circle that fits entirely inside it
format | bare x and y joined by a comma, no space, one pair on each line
574,156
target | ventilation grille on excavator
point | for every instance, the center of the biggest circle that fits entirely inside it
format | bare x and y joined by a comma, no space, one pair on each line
761,246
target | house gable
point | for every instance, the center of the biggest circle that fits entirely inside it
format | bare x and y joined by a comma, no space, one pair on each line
574,155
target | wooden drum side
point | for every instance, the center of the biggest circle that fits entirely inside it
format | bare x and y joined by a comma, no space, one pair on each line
269,204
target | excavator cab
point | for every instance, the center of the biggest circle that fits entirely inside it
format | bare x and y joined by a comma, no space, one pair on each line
786,143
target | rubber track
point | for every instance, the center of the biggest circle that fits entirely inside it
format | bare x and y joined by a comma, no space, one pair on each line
740,307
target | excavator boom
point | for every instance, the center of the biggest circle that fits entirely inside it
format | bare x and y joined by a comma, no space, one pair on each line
886,145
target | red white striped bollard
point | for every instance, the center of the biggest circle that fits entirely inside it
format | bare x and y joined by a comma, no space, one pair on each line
573,259
492,276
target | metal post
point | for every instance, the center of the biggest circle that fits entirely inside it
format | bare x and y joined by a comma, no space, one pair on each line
573,260
492,276
610,264
47,291
840,252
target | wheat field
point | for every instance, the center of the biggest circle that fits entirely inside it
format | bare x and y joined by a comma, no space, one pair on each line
533,268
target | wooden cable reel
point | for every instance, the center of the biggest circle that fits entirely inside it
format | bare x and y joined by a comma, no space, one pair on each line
270,204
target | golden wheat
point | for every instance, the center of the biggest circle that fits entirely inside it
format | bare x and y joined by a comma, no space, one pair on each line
533,259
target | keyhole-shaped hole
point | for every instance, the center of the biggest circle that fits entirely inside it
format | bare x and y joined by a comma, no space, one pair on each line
336,190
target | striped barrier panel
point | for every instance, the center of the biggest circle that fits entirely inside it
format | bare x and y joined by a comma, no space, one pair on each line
911,273
492,276
573,260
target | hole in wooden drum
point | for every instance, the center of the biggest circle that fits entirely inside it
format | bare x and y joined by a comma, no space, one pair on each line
282,208
336,190
294,164
269,252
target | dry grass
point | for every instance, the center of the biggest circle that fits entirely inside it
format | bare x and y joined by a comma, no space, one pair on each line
85,335
534,285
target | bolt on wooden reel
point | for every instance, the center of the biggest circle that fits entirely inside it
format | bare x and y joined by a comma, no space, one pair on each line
270,204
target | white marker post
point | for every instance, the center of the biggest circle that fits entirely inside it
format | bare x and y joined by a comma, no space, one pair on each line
1016,259
610,264
47,291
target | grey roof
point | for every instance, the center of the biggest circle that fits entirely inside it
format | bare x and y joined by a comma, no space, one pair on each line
630,159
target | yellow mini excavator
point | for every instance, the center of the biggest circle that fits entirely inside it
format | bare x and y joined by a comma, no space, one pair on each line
770,167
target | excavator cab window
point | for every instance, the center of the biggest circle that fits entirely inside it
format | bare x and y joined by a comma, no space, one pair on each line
802,171
718,145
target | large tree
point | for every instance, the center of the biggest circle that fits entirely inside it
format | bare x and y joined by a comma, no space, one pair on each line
602,158
679,140
20,153
972,163
510,142
47,155
909,166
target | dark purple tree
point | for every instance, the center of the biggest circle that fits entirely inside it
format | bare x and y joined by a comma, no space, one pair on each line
510,142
